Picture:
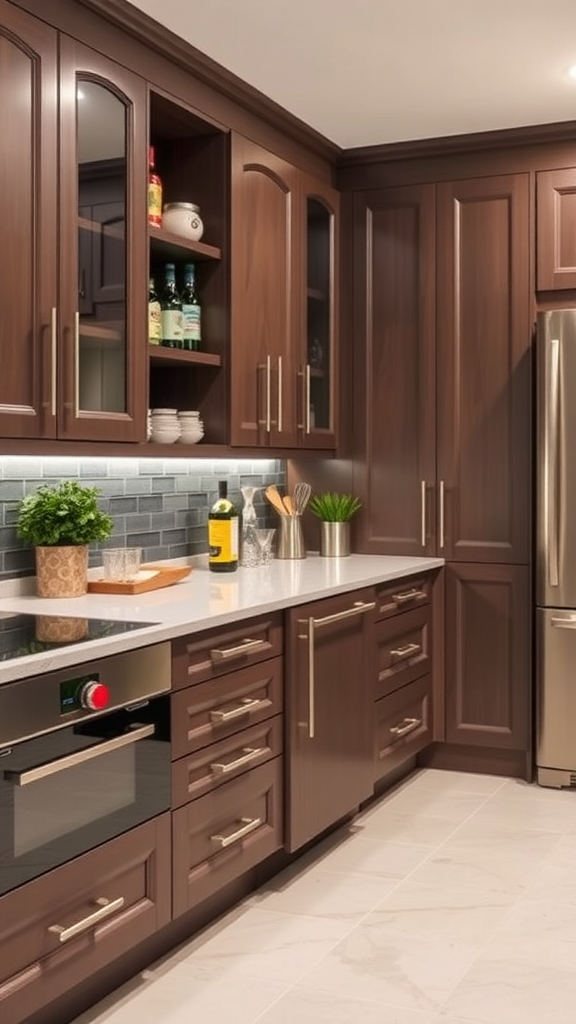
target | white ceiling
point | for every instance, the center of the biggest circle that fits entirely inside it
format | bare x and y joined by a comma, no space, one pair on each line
364,72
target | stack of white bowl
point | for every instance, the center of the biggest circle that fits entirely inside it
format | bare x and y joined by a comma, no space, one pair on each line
164,426
191,426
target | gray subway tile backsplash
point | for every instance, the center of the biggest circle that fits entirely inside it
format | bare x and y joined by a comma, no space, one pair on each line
161,506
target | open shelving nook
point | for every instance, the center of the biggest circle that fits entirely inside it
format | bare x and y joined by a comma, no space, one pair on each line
192,159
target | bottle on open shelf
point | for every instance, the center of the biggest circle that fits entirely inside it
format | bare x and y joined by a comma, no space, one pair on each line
171,310
191,311
154,191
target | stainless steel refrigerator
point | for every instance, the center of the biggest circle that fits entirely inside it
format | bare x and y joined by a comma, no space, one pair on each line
556,548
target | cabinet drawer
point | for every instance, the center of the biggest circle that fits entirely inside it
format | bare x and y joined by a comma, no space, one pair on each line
219,837
214,766
39,961
403,725
216,710
403,646
399,595
210,655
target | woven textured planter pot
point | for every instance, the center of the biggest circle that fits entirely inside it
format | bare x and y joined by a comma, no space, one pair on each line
62,571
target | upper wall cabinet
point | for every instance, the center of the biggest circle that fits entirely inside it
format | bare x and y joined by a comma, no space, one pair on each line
556,234
28,211
72,256
100,328
283,314
442,400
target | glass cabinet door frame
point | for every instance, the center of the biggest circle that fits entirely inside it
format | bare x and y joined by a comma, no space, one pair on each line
79,63
312,434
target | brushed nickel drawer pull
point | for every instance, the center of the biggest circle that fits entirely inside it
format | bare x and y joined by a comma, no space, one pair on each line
248,754
238,651
247,705
358,608
248,825
399,653
408,595
405,726
106,908
42,771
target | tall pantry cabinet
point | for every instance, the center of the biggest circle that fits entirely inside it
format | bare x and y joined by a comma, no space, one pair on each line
442,458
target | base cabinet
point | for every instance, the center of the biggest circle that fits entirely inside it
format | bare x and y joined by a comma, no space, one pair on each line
45,952
488,680
330,684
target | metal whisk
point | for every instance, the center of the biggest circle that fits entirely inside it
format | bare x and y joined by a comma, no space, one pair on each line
302,492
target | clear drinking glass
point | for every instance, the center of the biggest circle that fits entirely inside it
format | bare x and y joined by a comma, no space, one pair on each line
121,564
266,543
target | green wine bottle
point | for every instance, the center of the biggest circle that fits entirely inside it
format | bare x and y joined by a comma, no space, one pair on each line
191,311
171,310
223,533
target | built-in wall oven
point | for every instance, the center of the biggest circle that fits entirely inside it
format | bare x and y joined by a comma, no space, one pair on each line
84,756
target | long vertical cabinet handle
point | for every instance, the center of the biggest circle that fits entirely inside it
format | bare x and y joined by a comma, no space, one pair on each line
358,608
423,513
268,405
551,462
441,500
76,363
53,342
307,394
279,421
311,677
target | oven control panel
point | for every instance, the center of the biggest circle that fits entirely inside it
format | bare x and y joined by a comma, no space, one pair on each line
84,692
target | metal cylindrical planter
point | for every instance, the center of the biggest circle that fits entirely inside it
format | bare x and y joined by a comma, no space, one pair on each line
335,539
62,571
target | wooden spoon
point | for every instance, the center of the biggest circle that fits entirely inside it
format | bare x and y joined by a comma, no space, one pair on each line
275,499
289,505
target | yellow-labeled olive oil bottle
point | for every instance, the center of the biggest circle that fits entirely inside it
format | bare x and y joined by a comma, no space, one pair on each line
223,533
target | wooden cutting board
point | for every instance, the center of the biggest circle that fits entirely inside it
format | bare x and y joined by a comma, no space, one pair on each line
151,577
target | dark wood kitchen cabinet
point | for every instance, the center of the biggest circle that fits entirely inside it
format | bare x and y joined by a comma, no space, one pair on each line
227,745
555,234
284,229
72,264
63,927
443,377
329,707
488,681
443,449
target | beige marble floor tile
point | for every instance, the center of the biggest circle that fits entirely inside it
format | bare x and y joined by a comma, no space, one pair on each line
378,857
324,893
541,933
486,865
181,996
398,827
454,782
449,915
309,1006
393,969
530,812
454,805
501,990
264,943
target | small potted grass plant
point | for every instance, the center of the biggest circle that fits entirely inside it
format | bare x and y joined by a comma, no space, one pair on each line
60,522
335,512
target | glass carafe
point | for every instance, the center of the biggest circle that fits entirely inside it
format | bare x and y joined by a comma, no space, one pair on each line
250,552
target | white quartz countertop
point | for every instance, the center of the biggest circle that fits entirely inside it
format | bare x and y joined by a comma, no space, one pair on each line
202,601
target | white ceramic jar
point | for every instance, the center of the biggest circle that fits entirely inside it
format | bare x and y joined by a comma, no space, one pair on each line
183,219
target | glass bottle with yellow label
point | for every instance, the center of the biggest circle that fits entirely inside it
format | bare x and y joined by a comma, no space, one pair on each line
223,533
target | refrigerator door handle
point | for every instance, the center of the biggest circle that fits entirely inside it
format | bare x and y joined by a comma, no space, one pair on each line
551,463
564,621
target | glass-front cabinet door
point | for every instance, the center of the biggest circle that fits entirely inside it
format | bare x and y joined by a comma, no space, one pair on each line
102,352
318,373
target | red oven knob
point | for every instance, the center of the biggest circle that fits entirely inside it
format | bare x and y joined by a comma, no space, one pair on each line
95,696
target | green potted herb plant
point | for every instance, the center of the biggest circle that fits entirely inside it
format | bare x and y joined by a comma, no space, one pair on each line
335,512
60,522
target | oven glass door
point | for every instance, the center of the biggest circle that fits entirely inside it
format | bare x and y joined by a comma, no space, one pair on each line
66,792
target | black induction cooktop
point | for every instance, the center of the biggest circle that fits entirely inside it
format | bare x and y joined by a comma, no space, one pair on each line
22,634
